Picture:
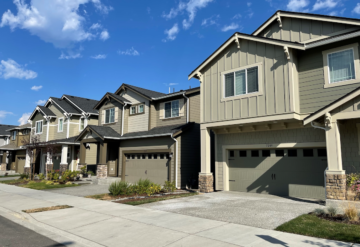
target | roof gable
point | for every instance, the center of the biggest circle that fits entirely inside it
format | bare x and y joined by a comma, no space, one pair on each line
43,111
65,106
149,94
4,129
109,96
83,104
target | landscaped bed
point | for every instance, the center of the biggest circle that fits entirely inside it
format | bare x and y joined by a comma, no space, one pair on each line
38,184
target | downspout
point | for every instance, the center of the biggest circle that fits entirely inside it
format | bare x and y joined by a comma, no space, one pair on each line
176,161
187,108
122,119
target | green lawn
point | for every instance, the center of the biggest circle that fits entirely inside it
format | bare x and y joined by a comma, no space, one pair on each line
15,181
150,200
37,185
9,176
311,225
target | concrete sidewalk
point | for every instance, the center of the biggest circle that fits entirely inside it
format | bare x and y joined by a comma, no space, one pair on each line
101,223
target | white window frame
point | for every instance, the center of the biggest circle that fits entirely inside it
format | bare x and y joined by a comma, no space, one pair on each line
133,107
82,118
42,126
171,109
62,130
326,53
13,138
109,109
247,95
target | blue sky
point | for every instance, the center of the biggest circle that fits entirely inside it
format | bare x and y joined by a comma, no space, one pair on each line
89,47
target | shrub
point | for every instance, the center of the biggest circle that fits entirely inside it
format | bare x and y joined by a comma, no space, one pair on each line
68,182
153,189
31,182
24,176
41,176
56,176
91,173
169,186
69,175
319,211
49,183
119,188
332,211
351,213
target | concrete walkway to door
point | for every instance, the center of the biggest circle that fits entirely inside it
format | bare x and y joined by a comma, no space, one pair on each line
258,210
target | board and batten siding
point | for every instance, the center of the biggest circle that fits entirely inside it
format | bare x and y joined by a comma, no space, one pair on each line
138,122
300,135
117,125
91,154
300,30
313,95
275,83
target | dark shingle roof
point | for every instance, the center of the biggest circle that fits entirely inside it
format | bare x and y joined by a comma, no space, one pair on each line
20,127
4,128
171,129
146,92
10,146
66,140
118,97
87,105
46,110
66,106
104,131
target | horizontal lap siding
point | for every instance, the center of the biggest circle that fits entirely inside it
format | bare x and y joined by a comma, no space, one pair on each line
300,30
265,137
137,122
115,126
275,98
171,121
313,95
194,106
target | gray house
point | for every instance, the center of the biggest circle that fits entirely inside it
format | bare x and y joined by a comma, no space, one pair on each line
4,140
283,104
146,134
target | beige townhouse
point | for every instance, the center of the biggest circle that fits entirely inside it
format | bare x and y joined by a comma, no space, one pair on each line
146,134
283,104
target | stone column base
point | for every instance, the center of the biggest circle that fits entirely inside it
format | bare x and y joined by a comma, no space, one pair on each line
80,165
102,171
63,168
49,167
336,186
3,167
27,170
206,182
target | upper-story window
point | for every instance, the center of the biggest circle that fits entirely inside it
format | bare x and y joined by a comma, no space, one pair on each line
133,110
82,123
172,109
61,125
240,82
341,65
14,135
38,127
140,108
137,109
110,115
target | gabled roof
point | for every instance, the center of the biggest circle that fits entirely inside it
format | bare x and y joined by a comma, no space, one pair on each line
70,140
44,110
116,97
85,105
103,132
4,129
315,17
142,91
65,106
181,92
333,105
21,127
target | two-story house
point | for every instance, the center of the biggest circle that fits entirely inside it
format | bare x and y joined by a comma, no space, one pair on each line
146,134
283,104
57,124
14,152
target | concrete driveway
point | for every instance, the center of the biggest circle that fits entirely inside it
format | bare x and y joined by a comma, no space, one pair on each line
258,210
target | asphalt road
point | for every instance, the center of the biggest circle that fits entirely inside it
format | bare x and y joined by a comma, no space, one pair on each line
14,235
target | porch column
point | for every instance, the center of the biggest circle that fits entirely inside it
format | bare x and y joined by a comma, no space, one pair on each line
206,178
82,156
63,163
3,162
101,170
335,175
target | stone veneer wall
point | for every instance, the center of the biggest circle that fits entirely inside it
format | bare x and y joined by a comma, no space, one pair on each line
63,167
102,171
206,183
336,186
3,167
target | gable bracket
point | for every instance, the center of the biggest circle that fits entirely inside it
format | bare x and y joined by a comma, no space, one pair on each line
279,19
237,40
287,53
200,76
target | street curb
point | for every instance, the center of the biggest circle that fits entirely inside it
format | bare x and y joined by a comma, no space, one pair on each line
57,235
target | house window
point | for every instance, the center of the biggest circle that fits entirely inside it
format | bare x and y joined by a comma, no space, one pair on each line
341,66
82,123
13,135
140,108
61,125
172,109
133,110
110,115
39,127
241,82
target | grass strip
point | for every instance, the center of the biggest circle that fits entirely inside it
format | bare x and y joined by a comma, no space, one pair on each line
150,200
37,210
311,225
44,186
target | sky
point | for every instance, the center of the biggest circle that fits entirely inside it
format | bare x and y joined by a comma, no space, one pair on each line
86,48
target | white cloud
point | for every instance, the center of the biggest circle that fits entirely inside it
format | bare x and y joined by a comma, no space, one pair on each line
100,56
171,33
232,26
129,52
237,16
342,11
104,35
24,118
96,26
325,4
3,114
173,84
333,13
36,88
40,102
70,55
357,9
298,5
11,69
248,4
191,7
58,22
148,10
210,21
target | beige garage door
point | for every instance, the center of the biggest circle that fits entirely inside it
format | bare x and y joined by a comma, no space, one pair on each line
147,166
285,172
20,165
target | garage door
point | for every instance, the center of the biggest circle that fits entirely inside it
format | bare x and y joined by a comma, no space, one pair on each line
20,165
285,172
147,166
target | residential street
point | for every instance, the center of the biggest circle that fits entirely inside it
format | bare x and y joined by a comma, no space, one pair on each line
101,223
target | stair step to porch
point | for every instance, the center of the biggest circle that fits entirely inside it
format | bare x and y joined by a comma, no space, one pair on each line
107,181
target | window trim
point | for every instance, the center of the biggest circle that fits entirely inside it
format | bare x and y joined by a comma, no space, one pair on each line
171,109
260,82
326,70
62,124
42,126
109,116
137,106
